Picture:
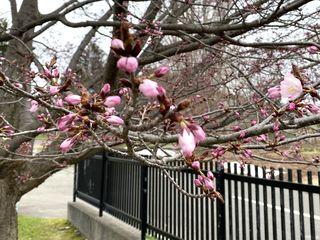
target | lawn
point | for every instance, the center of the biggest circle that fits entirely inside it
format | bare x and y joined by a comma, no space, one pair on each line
32,228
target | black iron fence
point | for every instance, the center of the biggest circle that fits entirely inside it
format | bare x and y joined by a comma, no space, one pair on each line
256,207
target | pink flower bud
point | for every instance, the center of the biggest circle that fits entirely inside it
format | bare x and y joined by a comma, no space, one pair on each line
196,165
105,89
47,73
34,106
186,142
161,71
197,182
67,144
59,102
210,175
73,99
112,101
242,134
117,44
199,134
274,92
312,49
292,106
261,138
53,90
208,184
41,129
65,121
149,88
247,153
115,120
128,64
55,73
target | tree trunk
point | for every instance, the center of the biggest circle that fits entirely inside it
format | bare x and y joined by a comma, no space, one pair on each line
8,214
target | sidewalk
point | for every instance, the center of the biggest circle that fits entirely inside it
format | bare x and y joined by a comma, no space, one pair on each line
50,199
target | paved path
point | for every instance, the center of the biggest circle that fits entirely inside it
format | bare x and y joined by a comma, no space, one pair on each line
50,199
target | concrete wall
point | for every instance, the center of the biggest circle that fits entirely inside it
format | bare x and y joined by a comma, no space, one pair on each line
85,218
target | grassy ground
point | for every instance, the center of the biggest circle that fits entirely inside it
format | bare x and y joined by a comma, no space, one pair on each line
31,228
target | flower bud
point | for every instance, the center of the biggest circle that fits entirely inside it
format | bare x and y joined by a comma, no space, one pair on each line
161,71
128,64
196,165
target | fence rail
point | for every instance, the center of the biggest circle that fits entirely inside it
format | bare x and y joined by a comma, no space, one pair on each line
254,208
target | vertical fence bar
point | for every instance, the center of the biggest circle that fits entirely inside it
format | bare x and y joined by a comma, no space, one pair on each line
183,206
311,209
75,184
265,208
243,207
221,215
250,205
230,204
102,186
143,200
274,211
257,205
236,201
292,226
283,222
301,217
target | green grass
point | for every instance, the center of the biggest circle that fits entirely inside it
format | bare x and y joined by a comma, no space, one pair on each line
32,228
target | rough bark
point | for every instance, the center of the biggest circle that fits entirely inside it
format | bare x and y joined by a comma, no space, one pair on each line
8,214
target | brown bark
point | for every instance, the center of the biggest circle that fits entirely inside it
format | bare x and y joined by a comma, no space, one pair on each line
8,214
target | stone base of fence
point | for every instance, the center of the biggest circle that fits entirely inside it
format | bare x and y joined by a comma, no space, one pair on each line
85,218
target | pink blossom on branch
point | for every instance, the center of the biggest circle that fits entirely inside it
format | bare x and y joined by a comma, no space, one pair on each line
149,88
312,49
53,90
128,64
195,165
34,106
117,44
115,120
112,101
274,92
105,90
67,144
186,142
161,71
73,99
198,133
290,87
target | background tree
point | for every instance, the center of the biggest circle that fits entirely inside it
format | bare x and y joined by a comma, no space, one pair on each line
224,58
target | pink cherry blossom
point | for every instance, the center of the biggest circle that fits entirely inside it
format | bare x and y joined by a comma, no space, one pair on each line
196,165
112,101
261,138
208,184
197,182
313,108
41,129
290,87
161,71
59,102
128,64
34,106
117,44
210,175
65,121
274,92
149,88
73,99
67,144
105,89
247,153
47,73
292,106
186,142
312,49
55,73
199,134
115,120
53,90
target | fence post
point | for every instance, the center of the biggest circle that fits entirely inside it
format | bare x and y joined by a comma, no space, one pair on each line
102,186
144,200
75,177
221,215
